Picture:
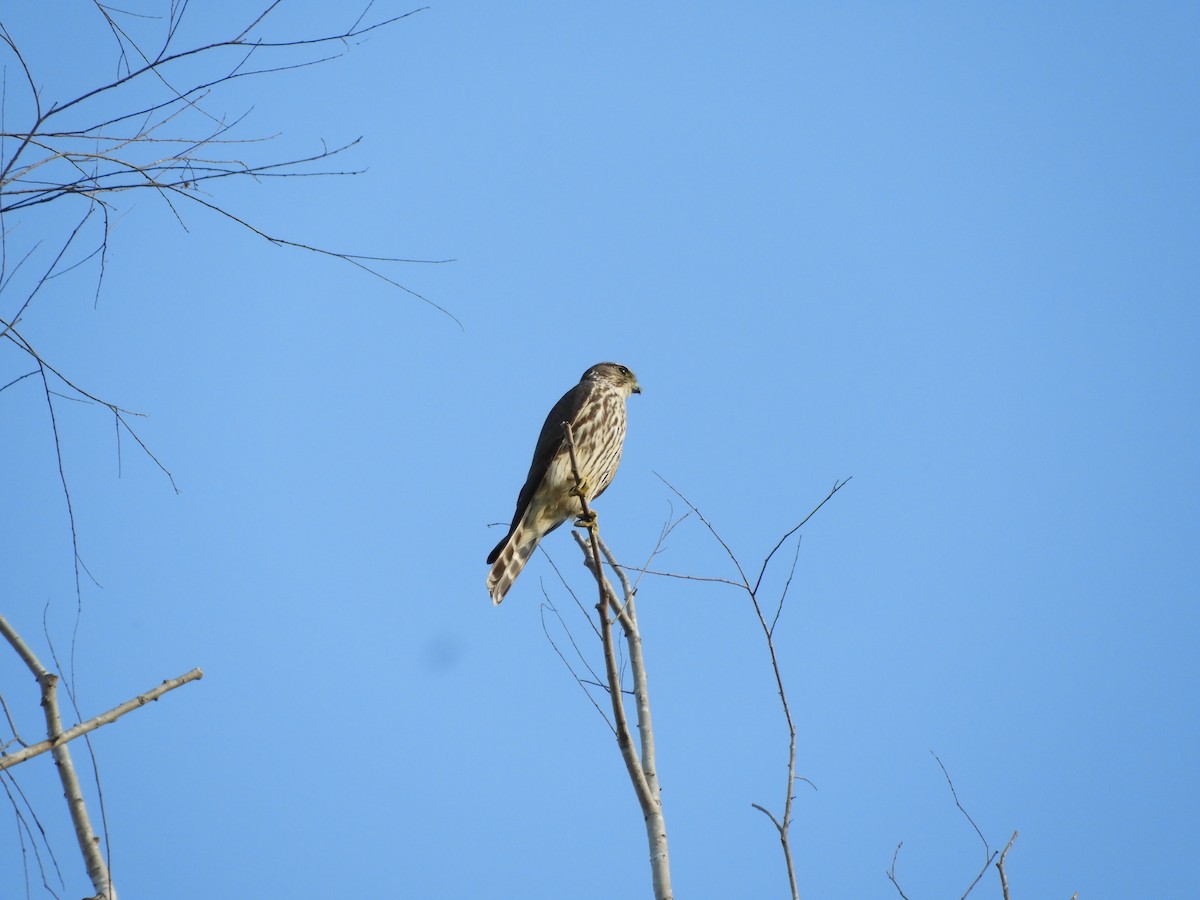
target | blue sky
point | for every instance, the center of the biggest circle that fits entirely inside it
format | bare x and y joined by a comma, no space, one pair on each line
948,250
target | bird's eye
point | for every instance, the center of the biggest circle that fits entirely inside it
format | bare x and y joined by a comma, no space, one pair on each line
624,371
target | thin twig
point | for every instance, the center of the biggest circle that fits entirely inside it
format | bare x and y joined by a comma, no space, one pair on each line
783,822
953,793
837,486
891,873
988,853
549,605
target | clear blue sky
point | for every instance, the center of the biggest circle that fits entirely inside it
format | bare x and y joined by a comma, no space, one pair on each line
950,250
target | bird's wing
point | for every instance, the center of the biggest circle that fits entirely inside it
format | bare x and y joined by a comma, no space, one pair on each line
551,440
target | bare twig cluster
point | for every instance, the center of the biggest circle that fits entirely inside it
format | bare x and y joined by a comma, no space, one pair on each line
150,127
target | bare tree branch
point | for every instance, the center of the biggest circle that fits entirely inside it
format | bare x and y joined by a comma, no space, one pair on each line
988,853
643,772
8,760
151,127
89,843
987,850
547,604
1000,866
781,823
112,162
891,873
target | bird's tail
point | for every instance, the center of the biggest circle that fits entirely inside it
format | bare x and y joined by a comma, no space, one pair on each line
510,558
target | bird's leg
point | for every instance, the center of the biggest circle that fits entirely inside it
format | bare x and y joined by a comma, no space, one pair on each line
587,519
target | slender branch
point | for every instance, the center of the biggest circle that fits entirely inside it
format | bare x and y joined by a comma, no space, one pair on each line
988,852
1000,866
352,260
891,873
11,334
711,530
781,823
980,875
89,843
953,793
149,127
157,65
26,826
682,577
637,665
592,555
7,761
62,476
642,772
837,486
108,162
659,546
570,590
583,685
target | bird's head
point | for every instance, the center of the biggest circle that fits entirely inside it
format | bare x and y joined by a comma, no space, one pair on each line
615,374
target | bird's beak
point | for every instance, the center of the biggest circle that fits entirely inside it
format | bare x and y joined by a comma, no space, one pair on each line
637,388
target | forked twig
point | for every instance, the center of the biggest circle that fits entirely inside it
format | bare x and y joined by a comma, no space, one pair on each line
783,822
56,743
988,853
891,872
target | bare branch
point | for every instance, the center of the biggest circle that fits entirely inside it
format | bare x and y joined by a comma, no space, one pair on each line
89,843
988,852
549,605
26,828
356,261
148,128
891,873
643,772
682,577
111,162
9,760
668,526
837,486
953,793
711,530
11,334
156,66
752,590
786,585
1000,866
570,590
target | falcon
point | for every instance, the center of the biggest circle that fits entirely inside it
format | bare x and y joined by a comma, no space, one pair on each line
595,409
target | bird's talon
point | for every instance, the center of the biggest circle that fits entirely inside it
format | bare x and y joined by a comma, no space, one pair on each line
587,520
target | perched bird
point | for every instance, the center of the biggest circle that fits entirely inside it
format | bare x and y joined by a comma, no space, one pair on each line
595,409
